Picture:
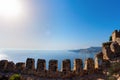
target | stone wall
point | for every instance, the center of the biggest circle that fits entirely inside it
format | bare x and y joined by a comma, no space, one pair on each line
52,72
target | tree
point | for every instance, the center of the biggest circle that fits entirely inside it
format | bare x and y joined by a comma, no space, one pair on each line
110,38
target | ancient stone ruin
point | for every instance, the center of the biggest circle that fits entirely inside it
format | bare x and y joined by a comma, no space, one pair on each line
52,71
110,52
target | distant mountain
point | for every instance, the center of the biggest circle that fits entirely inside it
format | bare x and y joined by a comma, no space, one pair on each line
88,50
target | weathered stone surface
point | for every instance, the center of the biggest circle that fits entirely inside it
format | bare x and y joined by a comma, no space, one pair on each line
66,68
20,67
98,60
78,66
106,50
66,65
3,65
10,66
89,65
41,68
105,65
118,40
115,35
53,65
41,65
115,47
53,68
96,63
30,64
99,55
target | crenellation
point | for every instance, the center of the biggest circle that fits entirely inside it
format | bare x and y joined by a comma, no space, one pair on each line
20,67
66,68
10,66
78,66
53,65
30,66
53,69
98,60
66,65
41,68
89,65
3,65
53,72
41,65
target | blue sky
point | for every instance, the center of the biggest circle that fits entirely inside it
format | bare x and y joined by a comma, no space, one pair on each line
62,24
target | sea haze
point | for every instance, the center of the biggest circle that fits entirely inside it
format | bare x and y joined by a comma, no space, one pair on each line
22,55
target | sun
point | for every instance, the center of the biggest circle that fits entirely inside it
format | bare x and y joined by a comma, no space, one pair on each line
10,8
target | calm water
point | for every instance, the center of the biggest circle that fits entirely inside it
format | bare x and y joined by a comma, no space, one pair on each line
22,55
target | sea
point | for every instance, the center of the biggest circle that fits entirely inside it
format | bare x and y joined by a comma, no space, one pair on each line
60,55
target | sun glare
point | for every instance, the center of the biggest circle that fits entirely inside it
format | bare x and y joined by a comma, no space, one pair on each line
10,8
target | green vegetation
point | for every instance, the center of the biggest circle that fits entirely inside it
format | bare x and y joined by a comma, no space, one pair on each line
15,77
111,78
110,38
114,68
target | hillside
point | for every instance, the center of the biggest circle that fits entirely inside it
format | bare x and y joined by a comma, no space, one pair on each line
88,50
